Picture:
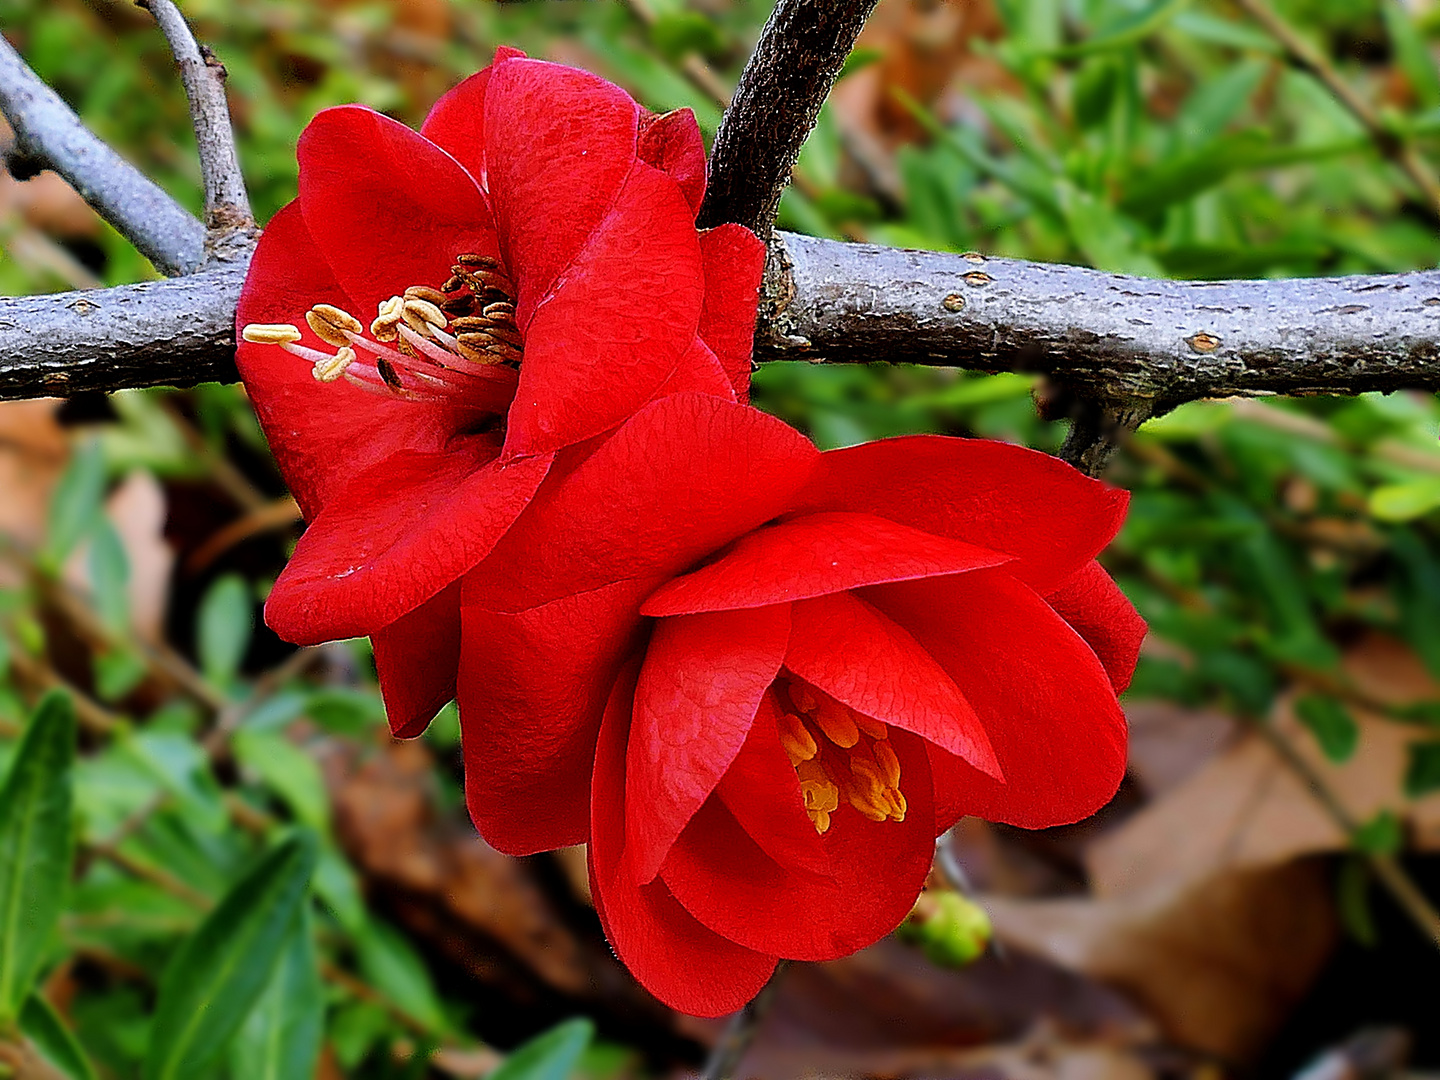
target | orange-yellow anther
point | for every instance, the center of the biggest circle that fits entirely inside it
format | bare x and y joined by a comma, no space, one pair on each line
873,728
837,723
795,737
821,794
888,762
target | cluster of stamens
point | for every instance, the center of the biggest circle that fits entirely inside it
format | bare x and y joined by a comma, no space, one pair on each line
458,343
839,754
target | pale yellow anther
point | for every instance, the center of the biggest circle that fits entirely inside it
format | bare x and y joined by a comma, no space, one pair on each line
837,723
888,762
331,368
876,809
425,310
391,309
874,728
416,323
330,323
424,292
818,789
821,820
270,333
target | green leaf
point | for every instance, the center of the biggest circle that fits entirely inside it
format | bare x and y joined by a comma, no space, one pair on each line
110,577
280,1039
1331,724
1407,501
219,972
225,622
76,505
53,1041
393,967
1412,54
1422,774
289,772
1352,898
36,846
1381,835
551,1056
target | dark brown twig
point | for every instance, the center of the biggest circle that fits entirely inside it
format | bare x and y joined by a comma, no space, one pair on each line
229,223
795,63
740,1031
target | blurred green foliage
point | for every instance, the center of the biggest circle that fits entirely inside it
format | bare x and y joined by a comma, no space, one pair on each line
1146,136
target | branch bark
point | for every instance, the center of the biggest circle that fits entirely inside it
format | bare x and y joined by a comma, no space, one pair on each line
49,133
229,222
796,62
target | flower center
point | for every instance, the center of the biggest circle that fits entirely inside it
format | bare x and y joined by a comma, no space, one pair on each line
839,754
457,344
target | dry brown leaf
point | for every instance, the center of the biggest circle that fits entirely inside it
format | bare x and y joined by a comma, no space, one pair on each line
1218,962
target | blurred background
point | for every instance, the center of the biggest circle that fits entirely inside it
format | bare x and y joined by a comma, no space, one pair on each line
1232,913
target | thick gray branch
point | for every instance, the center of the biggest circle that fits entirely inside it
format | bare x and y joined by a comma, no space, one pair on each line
227,208
49,133
172,333
1131,345
1107,337
796,61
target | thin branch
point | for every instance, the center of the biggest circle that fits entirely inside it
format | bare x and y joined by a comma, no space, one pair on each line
796,61
228,219
1390,143
48,132
740,1030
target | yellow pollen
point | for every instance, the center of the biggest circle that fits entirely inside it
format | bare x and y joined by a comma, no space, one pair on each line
270,333
327,371
330,323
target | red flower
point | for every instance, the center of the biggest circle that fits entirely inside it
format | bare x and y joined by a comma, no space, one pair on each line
798,668
533,272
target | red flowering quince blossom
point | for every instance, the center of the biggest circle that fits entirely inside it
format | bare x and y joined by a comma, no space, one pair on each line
798,668
439,313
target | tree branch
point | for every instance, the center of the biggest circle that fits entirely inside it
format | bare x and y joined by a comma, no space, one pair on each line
48,132
796,61
228,219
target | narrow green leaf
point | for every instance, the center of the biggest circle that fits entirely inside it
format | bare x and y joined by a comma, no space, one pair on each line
551,1056
36,846
110,577
1352,898
76,505
225,622
53,1041
220,971
1412,53
1422,774
1331,724
1381,835
280,1039
289,772
393,967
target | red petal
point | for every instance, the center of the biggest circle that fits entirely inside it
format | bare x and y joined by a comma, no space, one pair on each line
416,658
1043,697
734,264
698,373
320,433
679,961
699,688
1101,614
856,655
1051,517
532,689
456,122
728,882
672,143
814,555
616,323
686,476
399,533
558,145
387,207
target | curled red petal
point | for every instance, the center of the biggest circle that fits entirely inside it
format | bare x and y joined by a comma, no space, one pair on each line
856,655
814,555
416,657
559,144
1051,517
702,680
456,123
673,956
616,323
399,533
671,142
1045,700
532,690
687,475
698,372
1093,604
387,207
728,882
734,260
321,434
